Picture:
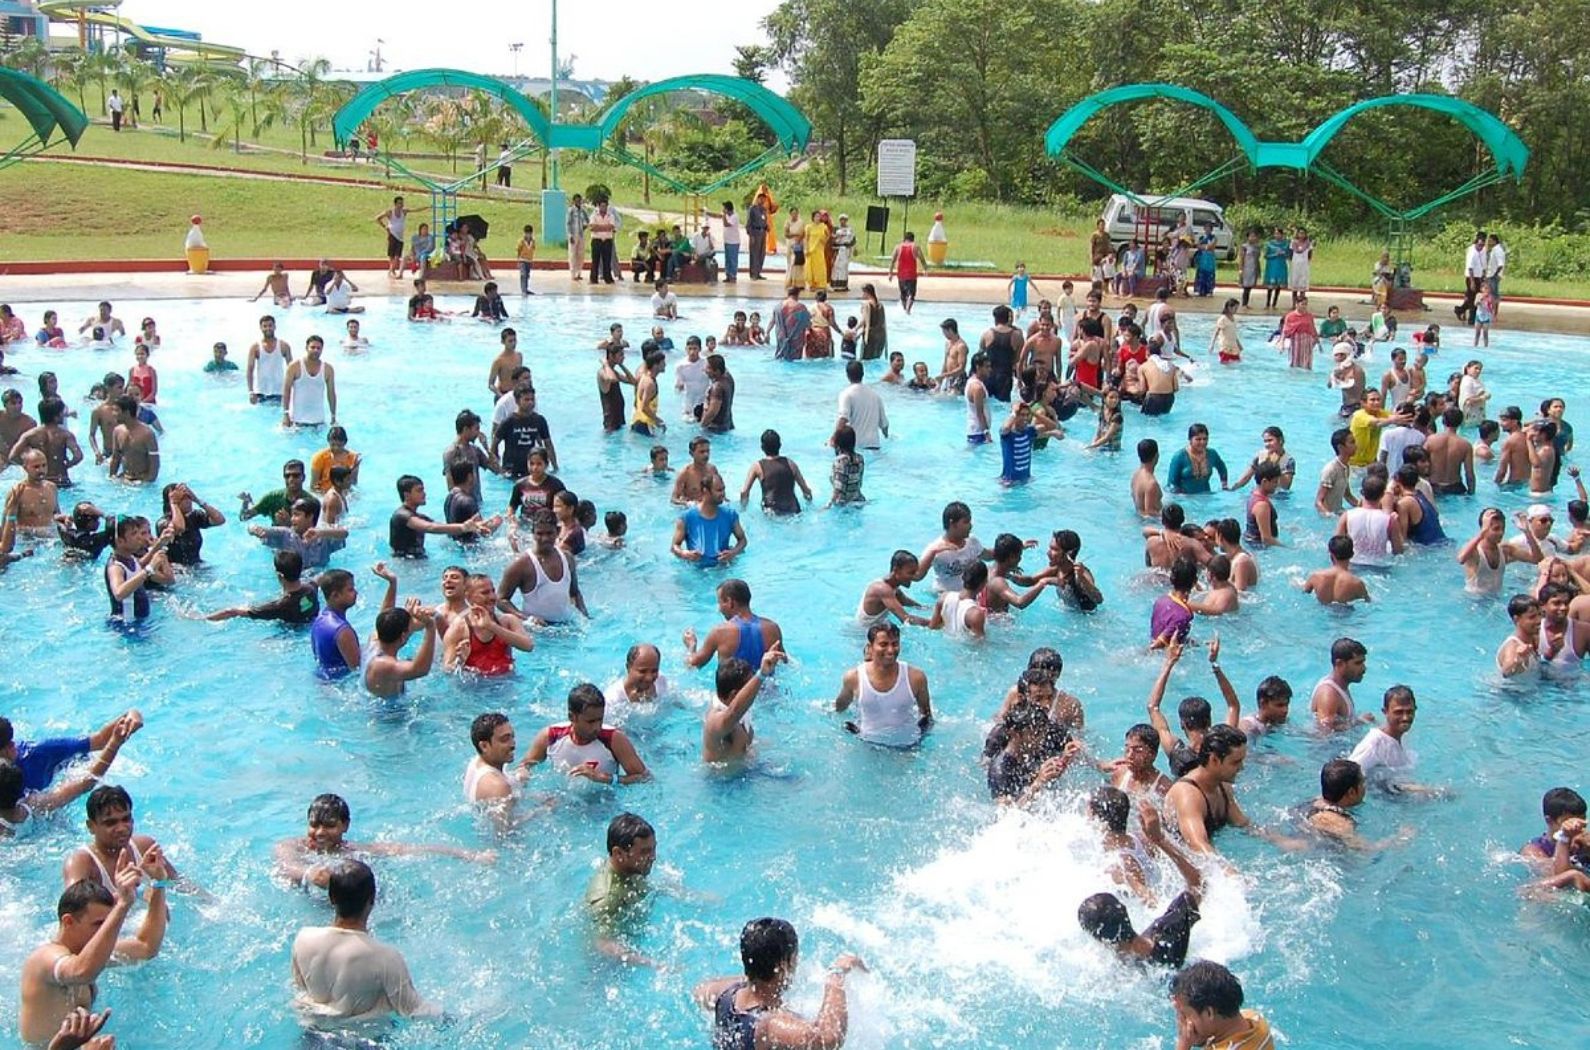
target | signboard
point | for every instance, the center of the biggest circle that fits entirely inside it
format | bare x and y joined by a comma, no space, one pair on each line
897,168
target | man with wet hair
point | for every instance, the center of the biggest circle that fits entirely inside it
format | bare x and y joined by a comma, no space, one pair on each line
726,733
40,760
1273,700
60,976
1202,802
1164,942
1193,712
344,974
1135,772
585,748
1207,999
749,1011
617,895
743,633
387,673
886,597
314,858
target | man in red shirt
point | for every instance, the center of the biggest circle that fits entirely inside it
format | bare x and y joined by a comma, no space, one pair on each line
908,261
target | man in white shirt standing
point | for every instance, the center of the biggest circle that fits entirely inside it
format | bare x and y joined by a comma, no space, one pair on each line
690,379
706,252
1381,754
731,242
116,106
1495,261
343,973
862,409
1473,278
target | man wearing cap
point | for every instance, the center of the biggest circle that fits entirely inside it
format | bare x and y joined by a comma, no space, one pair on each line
1540,520
1512,459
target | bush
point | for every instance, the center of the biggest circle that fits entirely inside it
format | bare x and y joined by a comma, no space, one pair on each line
970,184
598,193
1547,253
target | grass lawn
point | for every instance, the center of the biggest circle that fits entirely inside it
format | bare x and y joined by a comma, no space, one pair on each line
78,212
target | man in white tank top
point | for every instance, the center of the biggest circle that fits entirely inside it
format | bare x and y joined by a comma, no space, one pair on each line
487,778
1332,699
267,362
548,598
585,748
1376,533
309,387
891,696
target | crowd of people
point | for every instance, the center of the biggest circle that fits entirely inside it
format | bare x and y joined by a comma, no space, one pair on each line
1402,452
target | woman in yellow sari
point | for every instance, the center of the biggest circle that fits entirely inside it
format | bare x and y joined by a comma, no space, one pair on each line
818,234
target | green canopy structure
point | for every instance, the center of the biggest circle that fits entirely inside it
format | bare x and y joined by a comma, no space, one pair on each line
1508,152
46,110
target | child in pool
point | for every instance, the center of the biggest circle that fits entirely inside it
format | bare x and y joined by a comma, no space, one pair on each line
142,375
1111,420
849,338
617,525
758,337
218,362
658,467
147,336
1490,430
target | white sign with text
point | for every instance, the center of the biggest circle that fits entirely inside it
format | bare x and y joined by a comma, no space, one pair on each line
897,168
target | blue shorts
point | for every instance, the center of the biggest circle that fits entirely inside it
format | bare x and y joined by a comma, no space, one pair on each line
977,439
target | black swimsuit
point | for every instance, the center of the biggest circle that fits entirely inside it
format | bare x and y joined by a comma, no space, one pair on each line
732,1028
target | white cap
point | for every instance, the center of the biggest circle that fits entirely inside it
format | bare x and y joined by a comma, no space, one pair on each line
1537,510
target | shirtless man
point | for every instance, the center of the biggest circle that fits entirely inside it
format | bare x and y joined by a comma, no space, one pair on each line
1337,585
1165,542
1542,458
13,421
1451,457
1001,595
1332,698
263,358
311,860
692,479
726,734
60,448
276,283
742,633
386,672
952,377
1147,496
500,379
487,779
886,597
102,420
1512,459
615,339
103,318
1202,802
1041,350
135,451
34,501
60,976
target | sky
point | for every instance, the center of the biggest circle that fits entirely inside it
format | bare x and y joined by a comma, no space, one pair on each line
645,39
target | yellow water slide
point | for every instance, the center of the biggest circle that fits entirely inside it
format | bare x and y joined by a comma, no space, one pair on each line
179,49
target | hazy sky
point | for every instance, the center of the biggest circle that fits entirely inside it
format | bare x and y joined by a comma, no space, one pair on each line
646,39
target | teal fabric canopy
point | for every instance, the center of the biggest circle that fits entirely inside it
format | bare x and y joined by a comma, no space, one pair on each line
357,109
46,110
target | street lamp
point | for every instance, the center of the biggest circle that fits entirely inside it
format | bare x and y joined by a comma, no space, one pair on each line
516,48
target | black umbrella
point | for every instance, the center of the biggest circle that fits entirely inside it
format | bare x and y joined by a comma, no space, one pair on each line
475,225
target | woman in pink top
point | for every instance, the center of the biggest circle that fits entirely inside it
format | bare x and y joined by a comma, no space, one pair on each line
1299,335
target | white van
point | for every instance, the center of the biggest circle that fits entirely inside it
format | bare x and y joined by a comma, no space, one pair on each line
1123,220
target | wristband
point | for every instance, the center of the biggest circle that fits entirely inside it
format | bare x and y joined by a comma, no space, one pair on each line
1561,836
1213,666
161,884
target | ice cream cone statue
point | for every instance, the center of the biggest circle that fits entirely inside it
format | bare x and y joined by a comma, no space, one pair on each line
771,205
198,251
938,245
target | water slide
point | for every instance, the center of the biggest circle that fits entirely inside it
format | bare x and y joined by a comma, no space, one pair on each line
178,45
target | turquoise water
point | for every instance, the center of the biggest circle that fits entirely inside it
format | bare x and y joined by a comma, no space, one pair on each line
966,916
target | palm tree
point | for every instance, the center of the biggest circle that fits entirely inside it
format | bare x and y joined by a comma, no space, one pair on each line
240,103
255,79
30,56
308,93
102,66
137,77
184,85
445,125
70,69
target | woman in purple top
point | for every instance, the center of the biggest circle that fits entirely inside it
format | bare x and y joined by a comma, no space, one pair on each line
1172,617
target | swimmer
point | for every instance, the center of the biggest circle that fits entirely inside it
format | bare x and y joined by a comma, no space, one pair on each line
617,526
277,504
332,639
963,613
137,560
135,451
1335,491
1171,619
1001,596
219,363
615,339
309,388
408,527
483,638
353,340
545,575
726,732
34,502
956,548
642,682
323,849
298,604
1342,788
1026,754
187,516
657,462
1383,756
617,894
334,505
1201,802
749,1012
1072,580
886,597
778,476
500,377
692,480
1224,536
86,533
1376,533
1512,459
1194,712
1207,999
1331,702
709,534
976,396
1337,585
266,363
1519,653
386,673
893,704
1039,683
489,306
276,283
103,318
1147,496
20,804
487,779
1221,597
112,840
61,976
1570,857
1451,457
13,421
1132,855
1135,772
1485,556
1164,941
743,633
60,447
584,748
1564,641
1264,520
1558,805
610,377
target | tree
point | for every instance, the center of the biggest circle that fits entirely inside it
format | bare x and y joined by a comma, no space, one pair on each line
751,62
101,66
137,77
185,85
30,56
823,44
309,101
240,104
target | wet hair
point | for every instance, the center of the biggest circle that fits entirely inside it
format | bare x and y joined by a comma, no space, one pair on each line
1271,688
1006,546
732,674
332,581
76,898
1219,742
902,559
1206,985
408,483
1172,516
1146,734
464,420
352,889
1069,542
1045,658
1397,694
1197,430
329,809
736,590
845,438
1548,591
1183,573
584,696
1147,450
888,627
1195,713
1219,568
1105,917
1345,649
1023,718
52,409
979,359
617,523
1489,428
1408,476
955,511
1338,777
624,829
390,624
854,371
1562,802
1002,314
1228,529
12,784
1519,604
765,944
1033,676
1340,547
1111,807
484,727
459,473
1339,438
975,578
771,442
107,798
1266,471
289,565
308,506
1578,511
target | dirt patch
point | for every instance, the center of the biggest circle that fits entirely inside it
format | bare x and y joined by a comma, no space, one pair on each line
1060,232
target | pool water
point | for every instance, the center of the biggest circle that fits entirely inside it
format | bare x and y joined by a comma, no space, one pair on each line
966,915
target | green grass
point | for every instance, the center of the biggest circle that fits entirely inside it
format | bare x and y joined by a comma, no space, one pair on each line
131,214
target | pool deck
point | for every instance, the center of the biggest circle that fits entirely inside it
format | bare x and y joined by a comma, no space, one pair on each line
46,288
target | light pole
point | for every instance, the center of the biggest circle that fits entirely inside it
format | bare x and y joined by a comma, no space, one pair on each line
554,206
552,98
516,48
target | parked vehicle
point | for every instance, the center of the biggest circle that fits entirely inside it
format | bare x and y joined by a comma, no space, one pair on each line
1124,220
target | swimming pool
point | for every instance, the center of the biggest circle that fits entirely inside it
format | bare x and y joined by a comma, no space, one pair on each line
966,917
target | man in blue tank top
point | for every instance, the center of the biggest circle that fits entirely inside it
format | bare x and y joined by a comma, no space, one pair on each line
332,638
743,634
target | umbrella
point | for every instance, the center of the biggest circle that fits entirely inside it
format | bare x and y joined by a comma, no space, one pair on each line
475,225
